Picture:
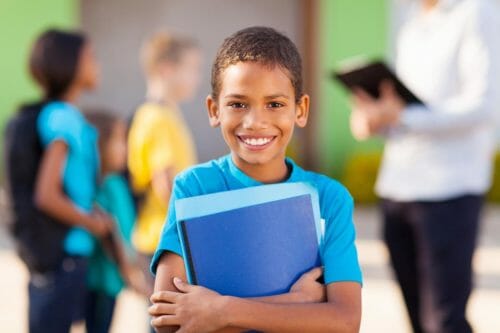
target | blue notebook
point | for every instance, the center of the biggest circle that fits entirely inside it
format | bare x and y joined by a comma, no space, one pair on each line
251,242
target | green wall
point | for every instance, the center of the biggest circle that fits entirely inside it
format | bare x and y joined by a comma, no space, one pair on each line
20,22
348,28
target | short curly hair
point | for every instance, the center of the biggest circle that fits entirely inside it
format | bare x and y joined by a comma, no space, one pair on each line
258,44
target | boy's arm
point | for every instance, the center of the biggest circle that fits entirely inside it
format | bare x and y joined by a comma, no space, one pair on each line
342,312
50,198
171,265
197,309
305,290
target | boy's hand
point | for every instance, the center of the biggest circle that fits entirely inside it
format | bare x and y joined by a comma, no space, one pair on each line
195,309
98,223
308,288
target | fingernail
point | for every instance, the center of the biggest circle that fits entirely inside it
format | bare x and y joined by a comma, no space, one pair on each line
177,280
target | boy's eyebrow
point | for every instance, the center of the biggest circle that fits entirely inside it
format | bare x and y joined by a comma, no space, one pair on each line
234,96
277,96
266,97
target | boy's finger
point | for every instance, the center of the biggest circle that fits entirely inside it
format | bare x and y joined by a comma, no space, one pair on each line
166,320
183,330
315,272
181,285
164,296
159,309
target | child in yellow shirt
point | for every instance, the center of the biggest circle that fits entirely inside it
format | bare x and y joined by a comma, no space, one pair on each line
160,143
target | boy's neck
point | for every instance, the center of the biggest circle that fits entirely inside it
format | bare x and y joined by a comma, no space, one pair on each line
273,172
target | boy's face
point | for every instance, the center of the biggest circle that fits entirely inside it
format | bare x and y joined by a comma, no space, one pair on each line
87,72
183,78
257,111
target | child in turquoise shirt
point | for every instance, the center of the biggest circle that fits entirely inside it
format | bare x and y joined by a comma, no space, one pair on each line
64,66
257,100
106,276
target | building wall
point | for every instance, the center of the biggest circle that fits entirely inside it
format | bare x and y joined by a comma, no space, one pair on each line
347,29
118,27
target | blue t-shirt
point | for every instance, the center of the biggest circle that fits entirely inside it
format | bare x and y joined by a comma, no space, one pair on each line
63,121
114,198
339,255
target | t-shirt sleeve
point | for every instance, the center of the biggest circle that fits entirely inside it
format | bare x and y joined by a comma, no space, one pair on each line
58,121
160,153
169,239
340,258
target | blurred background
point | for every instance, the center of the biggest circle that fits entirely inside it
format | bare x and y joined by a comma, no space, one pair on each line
326,32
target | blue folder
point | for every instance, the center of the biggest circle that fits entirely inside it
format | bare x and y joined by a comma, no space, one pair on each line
251,242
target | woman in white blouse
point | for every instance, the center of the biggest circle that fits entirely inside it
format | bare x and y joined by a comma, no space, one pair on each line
437,161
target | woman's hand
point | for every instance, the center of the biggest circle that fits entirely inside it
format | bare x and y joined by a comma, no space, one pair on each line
362,124
308,288
195,309
371,116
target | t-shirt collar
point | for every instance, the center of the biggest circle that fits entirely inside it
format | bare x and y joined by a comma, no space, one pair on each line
248,181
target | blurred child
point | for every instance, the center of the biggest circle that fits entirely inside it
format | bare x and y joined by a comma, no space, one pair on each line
112,267
160,144
257,100
64,66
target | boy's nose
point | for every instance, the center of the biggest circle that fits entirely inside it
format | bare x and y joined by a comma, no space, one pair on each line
255,118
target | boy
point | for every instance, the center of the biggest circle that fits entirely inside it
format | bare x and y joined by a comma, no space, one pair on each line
256,101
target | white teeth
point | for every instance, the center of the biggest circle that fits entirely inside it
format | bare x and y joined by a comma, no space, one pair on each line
257,142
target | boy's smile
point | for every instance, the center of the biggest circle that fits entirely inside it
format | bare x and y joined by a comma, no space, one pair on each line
257,111
256,143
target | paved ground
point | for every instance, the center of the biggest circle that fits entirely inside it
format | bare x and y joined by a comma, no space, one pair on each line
382,306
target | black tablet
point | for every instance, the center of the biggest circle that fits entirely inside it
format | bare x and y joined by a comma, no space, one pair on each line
369,77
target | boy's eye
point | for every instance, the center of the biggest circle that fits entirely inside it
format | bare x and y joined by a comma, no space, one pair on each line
237,105
274,105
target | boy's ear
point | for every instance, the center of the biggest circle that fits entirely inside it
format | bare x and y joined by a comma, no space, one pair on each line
302,111
213,111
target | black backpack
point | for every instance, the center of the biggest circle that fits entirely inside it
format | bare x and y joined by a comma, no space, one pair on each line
38,237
